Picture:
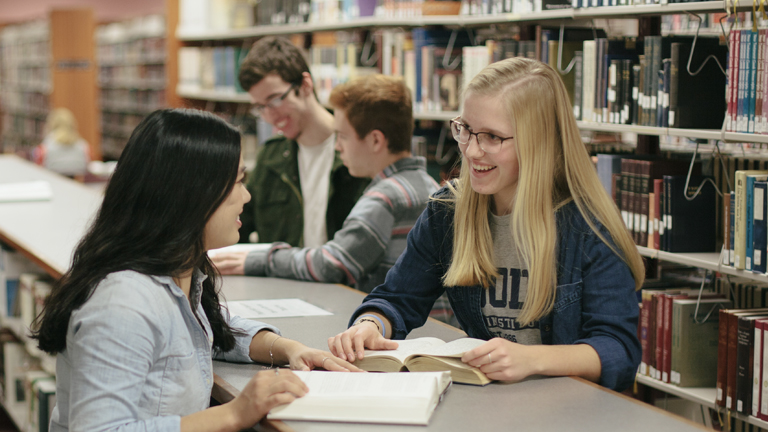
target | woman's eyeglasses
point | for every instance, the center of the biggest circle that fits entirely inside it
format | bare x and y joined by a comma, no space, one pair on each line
488,142
257,109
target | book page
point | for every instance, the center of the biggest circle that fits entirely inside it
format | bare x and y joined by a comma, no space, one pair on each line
406,348
454,348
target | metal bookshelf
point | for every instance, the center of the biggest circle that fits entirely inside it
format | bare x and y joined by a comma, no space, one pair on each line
706,260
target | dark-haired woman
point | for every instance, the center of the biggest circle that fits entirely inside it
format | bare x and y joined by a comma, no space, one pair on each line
136,320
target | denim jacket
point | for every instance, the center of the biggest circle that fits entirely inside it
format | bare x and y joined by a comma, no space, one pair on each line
595,300
137,358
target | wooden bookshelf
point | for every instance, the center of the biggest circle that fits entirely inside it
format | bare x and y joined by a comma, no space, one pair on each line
49,64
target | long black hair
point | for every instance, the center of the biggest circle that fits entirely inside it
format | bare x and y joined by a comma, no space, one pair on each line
175,171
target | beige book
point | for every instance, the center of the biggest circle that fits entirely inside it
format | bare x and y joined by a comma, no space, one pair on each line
424,355
408,398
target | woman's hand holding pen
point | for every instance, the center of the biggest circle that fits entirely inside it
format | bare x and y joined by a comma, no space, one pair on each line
351,344
500,359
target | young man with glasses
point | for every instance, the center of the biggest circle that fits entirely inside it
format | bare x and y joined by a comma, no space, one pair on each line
301,190
373,121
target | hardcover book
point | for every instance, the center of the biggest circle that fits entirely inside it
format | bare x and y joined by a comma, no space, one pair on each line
409,398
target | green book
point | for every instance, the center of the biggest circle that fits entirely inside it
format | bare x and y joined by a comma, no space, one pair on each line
694,341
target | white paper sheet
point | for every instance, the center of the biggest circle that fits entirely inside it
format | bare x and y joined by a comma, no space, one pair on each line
274,308
26,191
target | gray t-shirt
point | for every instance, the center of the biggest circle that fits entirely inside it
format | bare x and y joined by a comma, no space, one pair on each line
502,303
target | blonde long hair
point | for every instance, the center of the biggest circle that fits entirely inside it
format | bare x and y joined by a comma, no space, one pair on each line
61,123
555,168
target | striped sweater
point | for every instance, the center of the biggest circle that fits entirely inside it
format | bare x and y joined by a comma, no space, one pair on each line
370,241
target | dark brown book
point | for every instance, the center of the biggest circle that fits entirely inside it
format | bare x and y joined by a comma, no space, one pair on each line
744,362
731,362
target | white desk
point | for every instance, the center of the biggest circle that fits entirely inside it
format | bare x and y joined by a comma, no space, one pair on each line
46,232
547,404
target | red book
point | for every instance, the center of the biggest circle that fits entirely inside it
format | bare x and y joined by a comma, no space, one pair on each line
732,352
722,357
762,388
658,363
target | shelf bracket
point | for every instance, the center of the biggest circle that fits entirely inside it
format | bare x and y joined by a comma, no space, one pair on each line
693,49
688,179
698,302
568,68
441,158
449,64
366,58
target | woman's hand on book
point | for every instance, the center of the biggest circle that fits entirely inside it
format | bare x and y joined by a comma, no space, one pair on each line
304,358
351,344
266,390
500,359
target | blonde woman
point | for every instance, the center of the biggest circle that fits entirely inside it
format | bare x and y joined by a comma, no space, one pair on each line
528,246
63,150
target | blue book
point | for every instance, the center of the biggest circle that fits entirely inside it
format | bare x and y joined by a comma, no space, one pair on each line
731,219
759,236
751,179
423,37
607,165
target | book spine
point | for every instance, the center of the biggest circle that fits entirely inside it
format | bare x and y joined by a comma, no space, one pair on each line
758,117
660,334
749,247
759,227
763,414
752,81
674,68
740,221
645,313
722,357
756,368
658,228
732,221
727,235
745,334
730,382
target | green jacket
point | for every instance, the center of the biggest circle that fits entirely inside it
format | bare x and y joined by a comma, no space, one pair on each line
276,211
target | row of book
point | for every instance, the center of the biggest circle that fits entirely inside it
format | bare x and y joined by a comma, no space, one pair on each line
695,338
662,206
210,68
626,82
746,232
747,106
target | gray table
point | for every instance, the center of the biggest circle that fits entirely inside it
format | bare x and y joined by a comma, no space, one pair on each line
542,404
46,232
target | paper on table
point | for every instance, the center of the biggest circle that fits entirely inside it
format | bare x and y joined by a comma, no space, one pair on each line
274,308
240,247
26,191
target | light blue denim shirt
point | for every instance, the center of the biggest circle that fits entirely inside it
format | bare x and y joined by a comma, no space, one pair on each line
137,358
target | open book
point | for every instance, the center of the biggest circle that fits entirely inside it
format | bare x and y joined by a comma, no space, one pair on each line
427,354
366,398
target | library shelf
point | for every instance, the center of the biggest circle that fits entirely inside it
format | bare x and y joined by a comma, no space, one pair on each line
212,95
745,137
17,327
714,134
699,395
454,20
705,260
702,396
436,115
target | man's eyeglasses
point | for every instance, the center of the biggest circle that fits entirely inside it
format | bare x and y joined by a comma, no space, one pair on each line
488,142
257,109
